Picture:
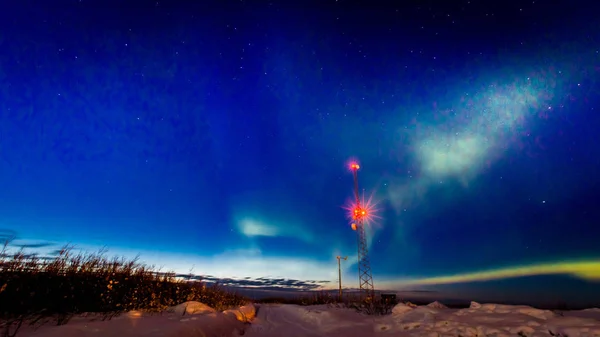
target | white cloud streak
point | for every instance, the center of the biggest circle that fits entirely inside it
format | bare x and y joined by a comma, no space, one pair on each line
257,227
460,146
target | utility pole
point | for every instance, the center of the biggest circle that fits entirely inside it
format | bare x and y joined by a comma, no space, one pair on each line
339,258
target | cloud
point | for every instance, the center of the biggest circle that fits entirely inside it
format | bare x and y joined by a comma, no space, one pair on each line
264,272
255,264
460,145
7,235
28,245
250,227
256,227
231,264
266,214
451,156
466,137
11,239
261,282
462,138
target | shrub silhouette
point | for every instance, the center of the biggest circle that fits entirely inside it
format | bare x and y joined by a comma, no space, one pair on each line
37,291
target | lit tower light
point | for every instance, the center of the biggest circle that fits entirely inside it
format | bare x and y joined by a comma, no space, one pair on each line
360,213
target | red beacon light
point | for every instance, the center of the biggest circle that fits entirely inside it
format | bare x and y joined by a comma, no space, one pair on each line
354,166
360,213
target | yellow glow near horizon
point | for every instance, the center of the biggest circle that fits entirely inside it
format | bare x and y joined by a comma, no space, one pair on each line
584,270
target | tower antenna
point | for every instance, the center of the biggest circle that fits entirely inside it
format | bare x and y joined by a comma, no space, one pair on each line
359,214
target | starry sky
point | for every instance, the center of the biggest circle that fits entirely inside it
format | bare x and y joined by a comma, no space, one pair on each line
215,138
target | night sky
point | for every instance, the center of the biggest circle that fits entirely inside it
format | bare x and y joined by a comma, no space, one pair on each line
215,138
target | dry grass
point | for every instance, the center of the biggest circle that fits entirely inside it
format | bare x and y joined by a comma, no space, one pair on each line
37,291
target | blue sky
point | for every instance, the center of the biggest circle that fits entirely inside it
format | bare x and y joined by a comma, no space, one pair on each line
218,138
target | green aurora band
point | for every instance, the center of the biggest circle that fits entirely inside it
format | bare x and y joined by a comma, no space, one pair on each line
587,270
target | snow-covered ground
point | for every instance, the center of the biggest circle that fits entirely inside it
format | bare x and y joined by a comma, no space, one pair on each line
282,320
190,319
431,320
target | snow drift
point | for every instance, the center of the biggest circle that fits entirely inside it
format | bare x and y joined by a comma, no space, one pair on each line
194,319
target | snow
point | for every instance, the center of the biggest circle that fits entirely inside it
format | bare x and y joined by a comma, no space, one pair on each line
436,305
431,320
189,319
275,320
192,308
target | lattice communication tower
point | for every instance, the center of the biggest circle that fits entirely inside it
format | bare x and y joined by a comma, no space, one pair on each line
359,216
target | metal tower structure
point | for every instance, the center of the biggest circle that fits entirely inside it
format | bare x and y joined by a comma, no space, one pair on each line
359,215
